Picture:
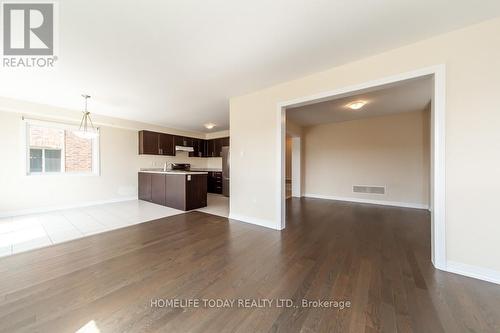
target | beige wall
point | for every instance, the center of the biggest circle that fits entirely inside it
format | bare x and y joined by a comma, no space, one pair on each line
391,151
119,162
472,60
292,129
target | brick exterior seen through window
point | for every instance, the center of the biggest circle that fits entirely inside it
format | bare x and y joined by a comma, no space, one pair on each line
45,137
77,151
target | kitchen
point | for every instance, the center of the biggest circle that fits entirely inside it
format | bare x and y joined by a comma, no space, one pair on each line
202,184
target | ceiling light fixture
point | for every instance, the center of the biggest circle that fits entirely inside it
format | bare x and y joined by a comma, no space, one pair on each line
356,105
209,125
85,131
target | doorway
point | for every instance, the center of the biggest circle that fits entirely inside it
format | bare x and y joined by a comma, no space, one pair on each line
437,158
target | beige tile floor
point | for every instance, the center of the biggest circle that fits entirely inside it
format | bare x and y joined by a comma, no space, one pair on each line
217,205
23,233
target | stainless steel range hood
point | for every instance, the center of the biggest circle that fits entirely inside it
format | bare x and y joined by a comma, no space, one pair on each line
184,148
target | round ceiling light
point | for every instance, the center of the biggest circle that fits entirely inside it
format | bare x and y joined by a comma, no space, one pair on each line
209,125
356,105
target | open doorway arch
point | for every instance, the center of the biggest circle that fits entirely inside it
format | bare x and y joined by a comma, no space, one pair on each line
437,179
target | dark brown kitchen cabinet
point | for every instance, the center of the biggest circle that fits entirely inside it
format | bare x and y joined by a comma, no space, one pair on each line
196,192
204,148
154,143
148,143
218,147
182,141
214,182
178,140
210,148
158,189
166,144
214,146
198,148
179,191
144,186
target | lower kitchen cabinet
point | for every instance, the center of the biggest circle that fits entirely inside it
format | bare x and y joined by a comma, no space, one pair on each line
179,190
144,186
214,182
196,192
158,189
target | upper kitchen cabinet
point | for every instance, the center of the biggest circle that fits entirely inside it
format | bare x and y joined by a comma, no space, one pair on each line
218,147
210,148
182,141
198,146
166,144
149,143
203,148
214,146
154,143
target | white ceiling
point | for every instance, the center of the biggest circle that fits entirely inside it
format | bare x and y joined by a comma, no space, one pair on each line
407,96
176,63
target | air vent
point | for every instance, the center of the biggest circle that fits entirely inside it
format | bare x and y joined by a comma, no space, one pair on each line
368,189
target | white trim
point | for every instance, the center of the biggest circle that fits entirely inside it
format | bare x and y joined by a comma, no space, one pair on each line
368,201
438,171
438,243
61,207
251,220
281,170
475,272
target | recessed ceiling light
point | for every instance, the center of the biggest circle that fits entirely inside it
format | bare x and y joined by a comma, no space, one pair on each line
356,105
209,125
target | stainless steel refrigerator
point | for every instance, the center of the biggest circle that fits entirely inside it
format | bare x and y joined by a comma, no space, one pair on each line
225,171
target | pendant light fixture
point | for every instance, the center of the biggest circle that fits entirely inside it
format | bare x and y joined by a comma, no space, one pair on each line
87,129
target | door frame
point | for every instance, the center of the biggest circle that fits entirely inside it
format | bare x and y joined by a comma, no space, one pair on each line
437,179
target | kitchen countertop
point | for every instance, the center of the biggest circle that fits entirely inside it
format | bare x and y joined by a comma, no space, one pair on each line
206,169
175,172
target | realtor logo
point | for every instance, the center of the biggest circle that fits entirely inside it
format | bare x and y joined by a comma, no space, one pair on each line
30,34
28,29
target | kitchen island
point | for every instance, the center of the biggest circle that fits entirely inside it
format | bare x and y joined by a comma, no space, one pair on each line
184,190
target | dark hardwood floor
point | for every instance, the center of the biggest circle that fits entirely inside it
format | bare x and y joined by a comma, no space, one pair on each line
375,257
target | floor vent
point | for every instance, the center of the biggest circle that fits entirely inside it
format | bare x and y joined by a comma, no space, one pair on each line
368,189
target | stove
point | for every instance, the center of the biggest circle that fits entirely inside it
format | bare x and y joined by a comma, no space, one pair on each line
180,166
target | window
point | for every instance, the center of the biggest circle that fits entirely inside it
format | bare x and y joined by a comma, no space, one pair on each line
45,160
54,148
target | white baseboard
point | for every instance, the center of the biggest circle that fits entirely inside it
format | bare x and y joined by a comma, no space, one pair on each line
252,220
368,201
61,207
475,272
